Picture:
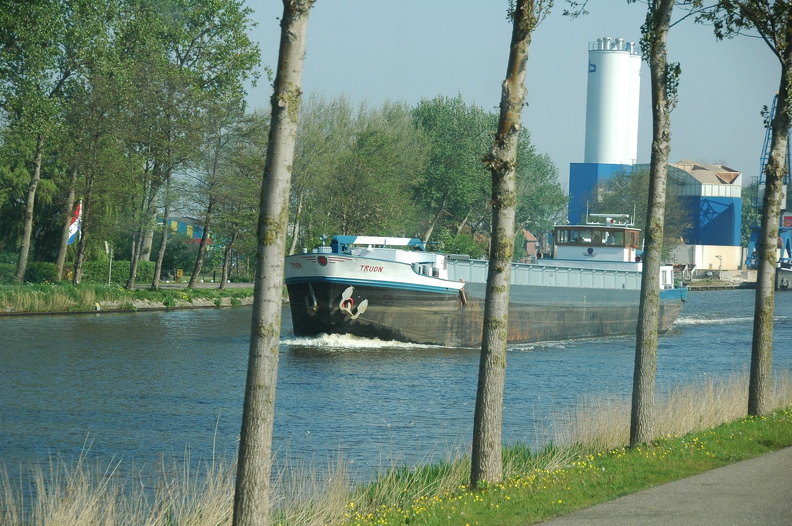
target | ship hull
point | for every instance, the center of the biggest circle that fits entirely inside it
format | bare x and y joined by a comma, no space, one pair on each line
454,318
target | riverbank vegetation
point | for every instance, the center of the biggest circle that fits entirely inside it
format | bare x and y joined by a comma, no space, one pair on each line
700,426
65,298
171,161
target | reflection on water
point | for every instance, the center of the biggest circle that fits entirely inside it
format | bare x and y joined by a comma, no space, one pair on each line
142,385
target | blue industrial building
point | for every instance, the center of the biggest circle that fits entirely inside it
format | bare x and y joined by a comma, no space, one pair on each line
584,178
713,195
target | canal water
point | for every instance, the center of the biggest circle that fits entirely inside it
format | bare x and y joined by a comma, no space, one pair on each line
138,387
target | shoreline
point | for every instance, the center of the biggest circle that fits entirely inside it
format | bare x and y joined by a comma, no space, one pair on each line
140,305
82,299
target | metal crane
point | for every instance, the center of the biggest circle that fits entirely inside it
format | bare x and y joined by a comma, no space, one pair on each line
785,227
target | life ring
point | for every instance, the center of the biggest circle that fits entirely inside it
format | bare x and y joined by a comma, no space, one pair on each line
348,304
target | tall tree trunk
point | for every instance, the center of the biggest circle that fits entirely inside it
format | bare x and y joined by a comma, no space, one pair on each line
487,460
64,240
86,227
226,261
147,210
296,230
165,234
658,20
760,388
430,230
134,258
202,246
30,204
252,495
461,225
148,239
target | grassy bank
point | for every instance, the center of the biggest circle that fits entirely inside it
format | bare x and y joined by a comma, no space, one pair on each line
699,427
64,298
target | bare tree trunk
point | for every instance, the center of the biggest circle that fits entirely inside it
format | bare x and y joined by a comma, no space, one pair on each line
296,230
30,204
487,459
165,235
64,240
461,224
86,227
642,414
202,246
145,212
439,213
148,239
226,261
252,496
760,388
134,258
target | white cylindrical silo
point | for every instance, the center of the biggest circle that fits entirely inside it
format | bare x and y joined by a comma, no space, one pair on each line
612,102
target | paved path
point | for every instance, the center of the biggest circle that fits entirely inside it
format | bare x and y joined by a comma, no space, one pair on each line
756,492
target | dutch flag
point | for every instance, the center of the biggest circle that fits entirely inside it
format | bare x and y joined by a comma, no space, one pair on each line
74,226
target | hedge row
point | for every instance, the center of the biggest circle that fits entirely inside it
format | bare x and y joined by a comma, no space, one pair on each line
93,272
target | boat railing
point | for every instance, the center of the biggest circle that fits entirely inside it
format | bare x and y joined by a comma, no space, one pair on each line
475,271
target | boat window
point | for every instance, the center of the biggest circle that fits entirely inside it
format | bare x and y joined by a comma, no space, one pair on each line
633,239
560,236
597,236
567,236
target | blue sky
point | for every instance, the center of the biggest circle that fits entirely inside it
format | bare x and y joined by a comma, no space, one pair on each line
376,50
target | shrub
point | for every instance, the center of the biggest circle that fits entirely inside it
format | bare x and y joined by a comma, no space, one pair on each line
7,272
39,272
242,277
36,272
96,272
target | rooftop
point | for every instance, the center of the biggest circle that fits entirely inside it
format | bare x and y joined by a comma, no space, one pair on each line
709,173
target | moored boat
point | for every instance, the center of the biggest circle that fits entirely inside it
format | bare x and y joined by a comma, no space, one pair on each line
393,289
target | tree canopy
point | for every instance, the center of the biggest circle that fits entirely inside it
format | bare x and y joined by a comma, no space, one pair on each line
120,112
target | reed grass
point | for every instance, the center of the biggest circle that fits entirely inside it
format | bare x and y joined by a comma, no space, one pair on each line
602,422
304,495
65,297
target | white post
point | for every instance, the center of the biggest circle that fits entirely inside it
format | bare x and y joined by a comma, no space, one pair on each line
109,252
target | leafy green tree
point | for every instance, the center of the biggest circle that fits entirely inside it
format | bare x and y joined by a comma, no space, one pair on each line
213,170
325,132
374,179
238,203
541,201
455,182
45,44
455,193
181,57
360,177
773,22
